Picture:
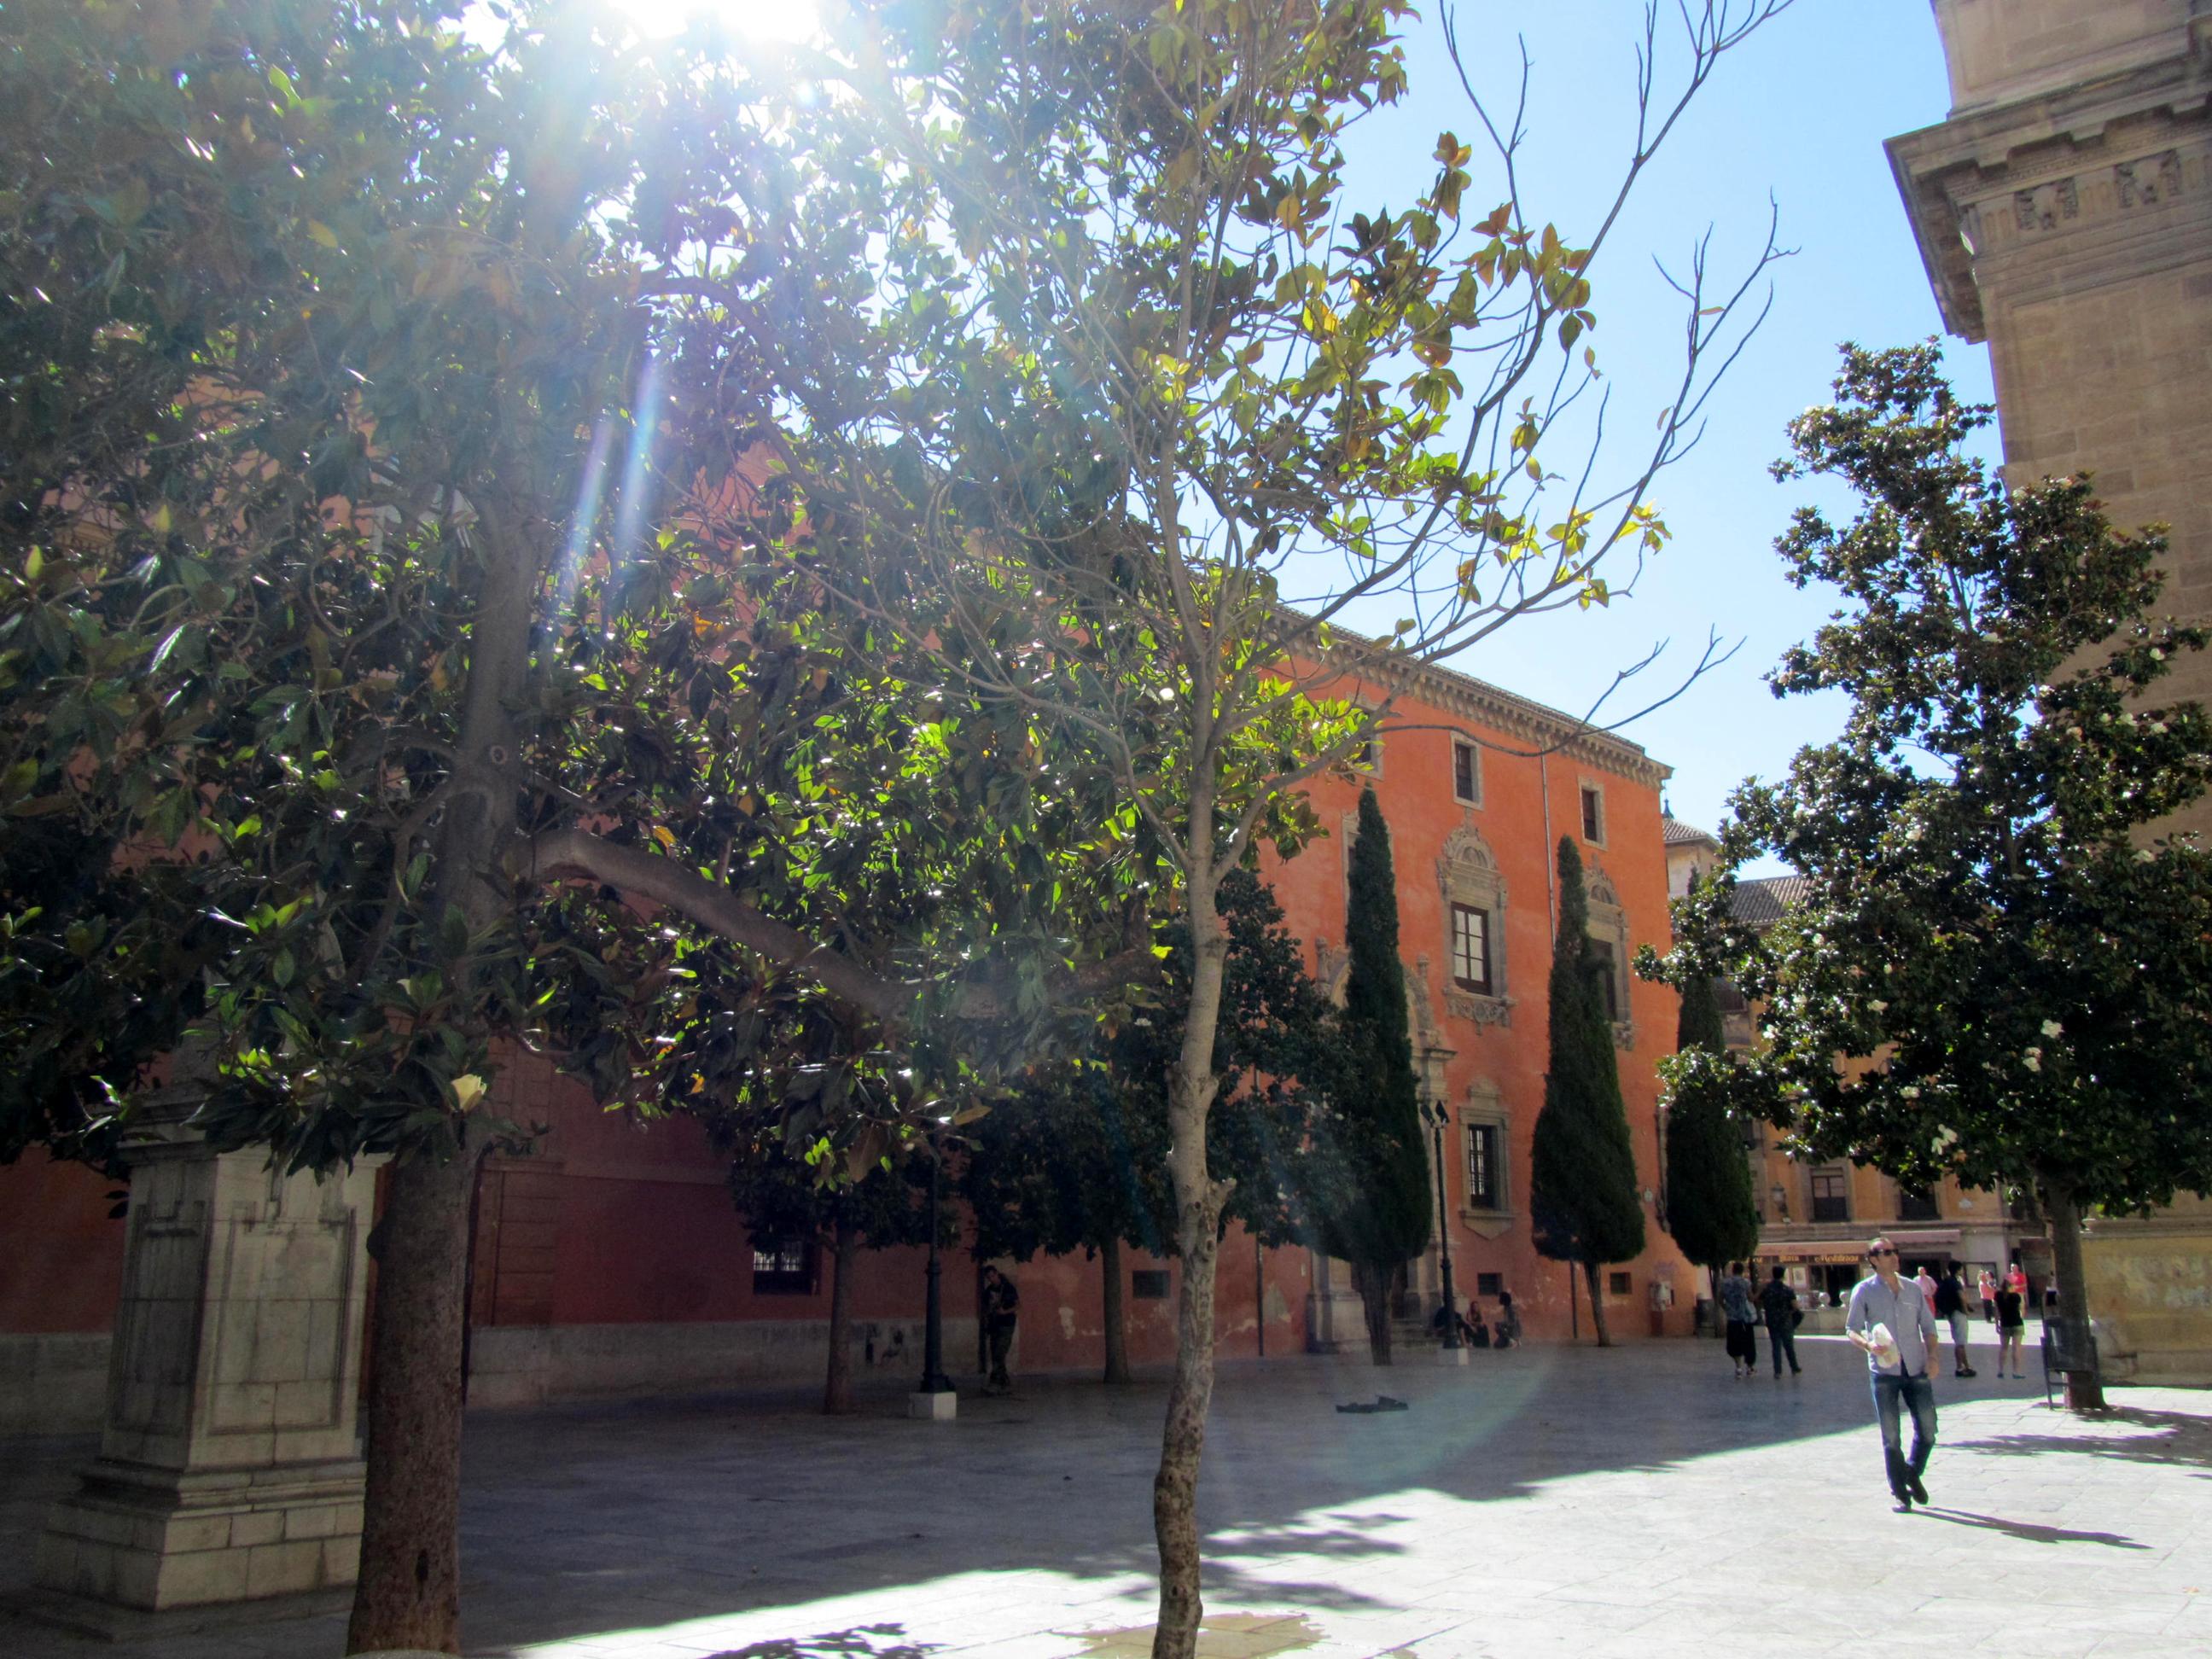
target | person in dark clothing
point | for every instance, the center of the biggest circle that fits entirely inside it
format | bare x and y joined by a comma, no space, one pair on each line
1951,1310
1741,1312
1779,1304
1002,1310
2012,1326
1508,1328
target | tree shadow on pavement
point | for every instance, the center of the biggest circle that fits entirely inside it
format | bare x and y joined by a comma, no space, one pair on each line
2167,1437
2029,1531
857,1643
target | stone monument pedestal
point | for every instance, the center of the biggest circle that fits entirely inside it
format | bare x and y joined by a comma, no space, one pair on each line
933,1405
229,1467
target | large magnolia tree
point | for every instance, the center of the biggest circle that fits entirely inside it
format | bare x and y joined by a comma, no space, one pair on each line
390,667
2000,968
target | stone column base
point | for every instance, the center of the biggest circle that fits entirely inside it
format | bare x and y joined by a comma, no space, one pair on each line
934,1406
156,1538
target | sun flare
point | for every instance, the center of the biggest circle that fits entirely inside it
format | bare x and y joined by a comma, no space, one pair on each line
763,19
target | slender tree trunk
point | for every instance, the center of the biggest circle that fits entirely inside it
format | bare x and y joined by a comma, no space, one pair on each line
409,1593
837,1385
1117,1327
1373,1284
2085,1389
1590,1270
1198,1201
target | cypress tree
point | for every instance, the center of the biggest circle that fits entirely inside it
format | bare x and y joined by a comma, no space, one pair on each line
1583,1191
1378,1216
1710,1208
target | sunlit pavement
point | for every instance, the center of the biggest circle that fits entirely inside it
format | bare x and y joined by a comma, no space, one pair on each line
1634,1501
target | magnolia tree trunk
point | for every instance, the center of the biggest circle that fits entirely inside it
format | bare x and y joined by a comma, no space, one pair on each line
2085,1388
837,1385
1373,1284
1199,1200
408,1594
1117,1329
1590,1272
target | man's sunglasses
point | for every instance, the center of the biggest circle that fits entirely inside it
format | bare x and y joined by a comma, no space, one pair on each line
1881,1252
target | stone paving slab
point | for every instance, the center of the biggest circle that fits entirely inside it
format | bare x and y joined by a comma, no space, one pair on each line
1636,1501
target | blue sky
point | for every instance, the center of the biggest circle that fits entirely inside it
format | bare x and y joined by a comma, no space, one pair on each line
1799,113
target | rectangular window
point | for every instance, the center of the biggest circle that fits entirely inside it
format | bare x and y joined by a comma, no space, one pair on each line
1608,982
1489,1284
1728,998
1831,1199
1618,1285
1917,1204
1593,814
783,1266
1149,1284
1484,1191
1470,948
1467,775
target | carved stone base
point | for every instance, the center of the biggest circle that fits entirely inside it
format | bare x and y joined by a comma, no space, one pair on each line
156,1538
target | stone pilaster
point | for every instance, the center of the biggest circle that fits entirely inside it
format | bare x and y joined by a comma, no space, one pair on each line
229,1466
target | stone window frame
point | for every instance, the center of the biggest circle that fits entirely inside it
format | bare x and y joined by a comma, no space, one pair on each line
1469,1128
1589,792
1483,1106
1463,745
1481,987
1467,873
1619,1284
1608,923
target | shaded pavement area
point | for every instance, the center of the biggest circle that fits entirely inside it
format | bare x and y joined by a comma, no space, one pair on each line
1638,1500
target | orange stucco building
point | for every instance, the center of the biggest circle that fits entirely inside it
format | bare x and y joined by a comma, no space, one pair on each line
614,1263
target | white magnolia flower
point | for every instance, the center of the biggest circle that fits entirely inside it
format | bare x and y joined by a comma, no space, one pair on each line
2144,855
1911,1092
1879,1007
2051,1028
2032,1060
1913,832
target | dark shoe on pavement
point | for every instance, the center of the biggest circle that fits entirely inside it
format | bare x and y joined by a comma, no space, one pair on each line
1904,1503
1968,1370
1920,1491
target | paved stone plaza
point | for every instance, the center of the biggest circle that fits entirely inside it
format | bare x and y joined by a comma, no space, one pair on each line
1637,1501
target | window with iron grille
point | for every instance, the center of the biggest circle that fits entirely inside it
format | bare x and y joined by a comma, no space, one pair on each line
1608,984
1489,1284
1619,1285
1484,1191
783,1266
1917,1204
1470,948
1149,1284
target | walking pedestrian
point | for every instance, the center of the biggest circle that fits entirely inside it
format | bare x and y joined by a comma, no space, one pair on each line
1738,1309
1985,1292
1779,1304
2012,1326
1001,1312
1508,1321
1890,1320
1951,1309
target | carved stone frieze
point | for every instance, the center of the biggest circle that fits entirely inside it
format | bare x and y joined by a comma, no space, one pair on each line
1623,1034
2148,180
2046,206
1478,1010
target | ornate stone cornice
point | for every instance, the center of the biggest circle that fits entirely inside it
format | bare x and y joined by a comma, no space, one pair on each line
1501,711
2019,176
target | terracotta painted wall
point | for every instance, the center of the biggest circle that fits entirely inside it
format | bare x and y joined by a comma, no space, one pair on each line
1527,804
61,1256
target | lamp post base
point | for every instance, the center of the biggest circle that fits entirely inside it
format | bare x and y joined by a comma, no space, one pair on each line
936,1406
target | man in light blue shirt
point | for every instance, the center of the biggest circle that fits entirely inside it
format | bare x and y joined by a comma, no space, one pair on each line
1899,1370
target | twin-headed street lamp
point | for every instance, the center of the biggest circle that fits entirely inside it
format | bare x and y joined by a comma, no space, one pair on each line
1437,1116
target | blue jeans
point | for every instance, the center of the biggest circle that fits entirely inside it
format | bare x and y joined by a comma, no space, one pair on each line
1893,1396
1783,1337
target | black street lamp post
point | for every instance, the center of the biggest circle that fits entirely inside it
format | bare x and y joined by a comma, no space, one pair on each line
933,1379
1436,1114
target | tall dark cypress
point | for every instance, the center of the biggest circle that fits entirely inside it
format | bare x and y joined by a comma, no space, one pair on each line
1378,1216
1710,1208
1582,1186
